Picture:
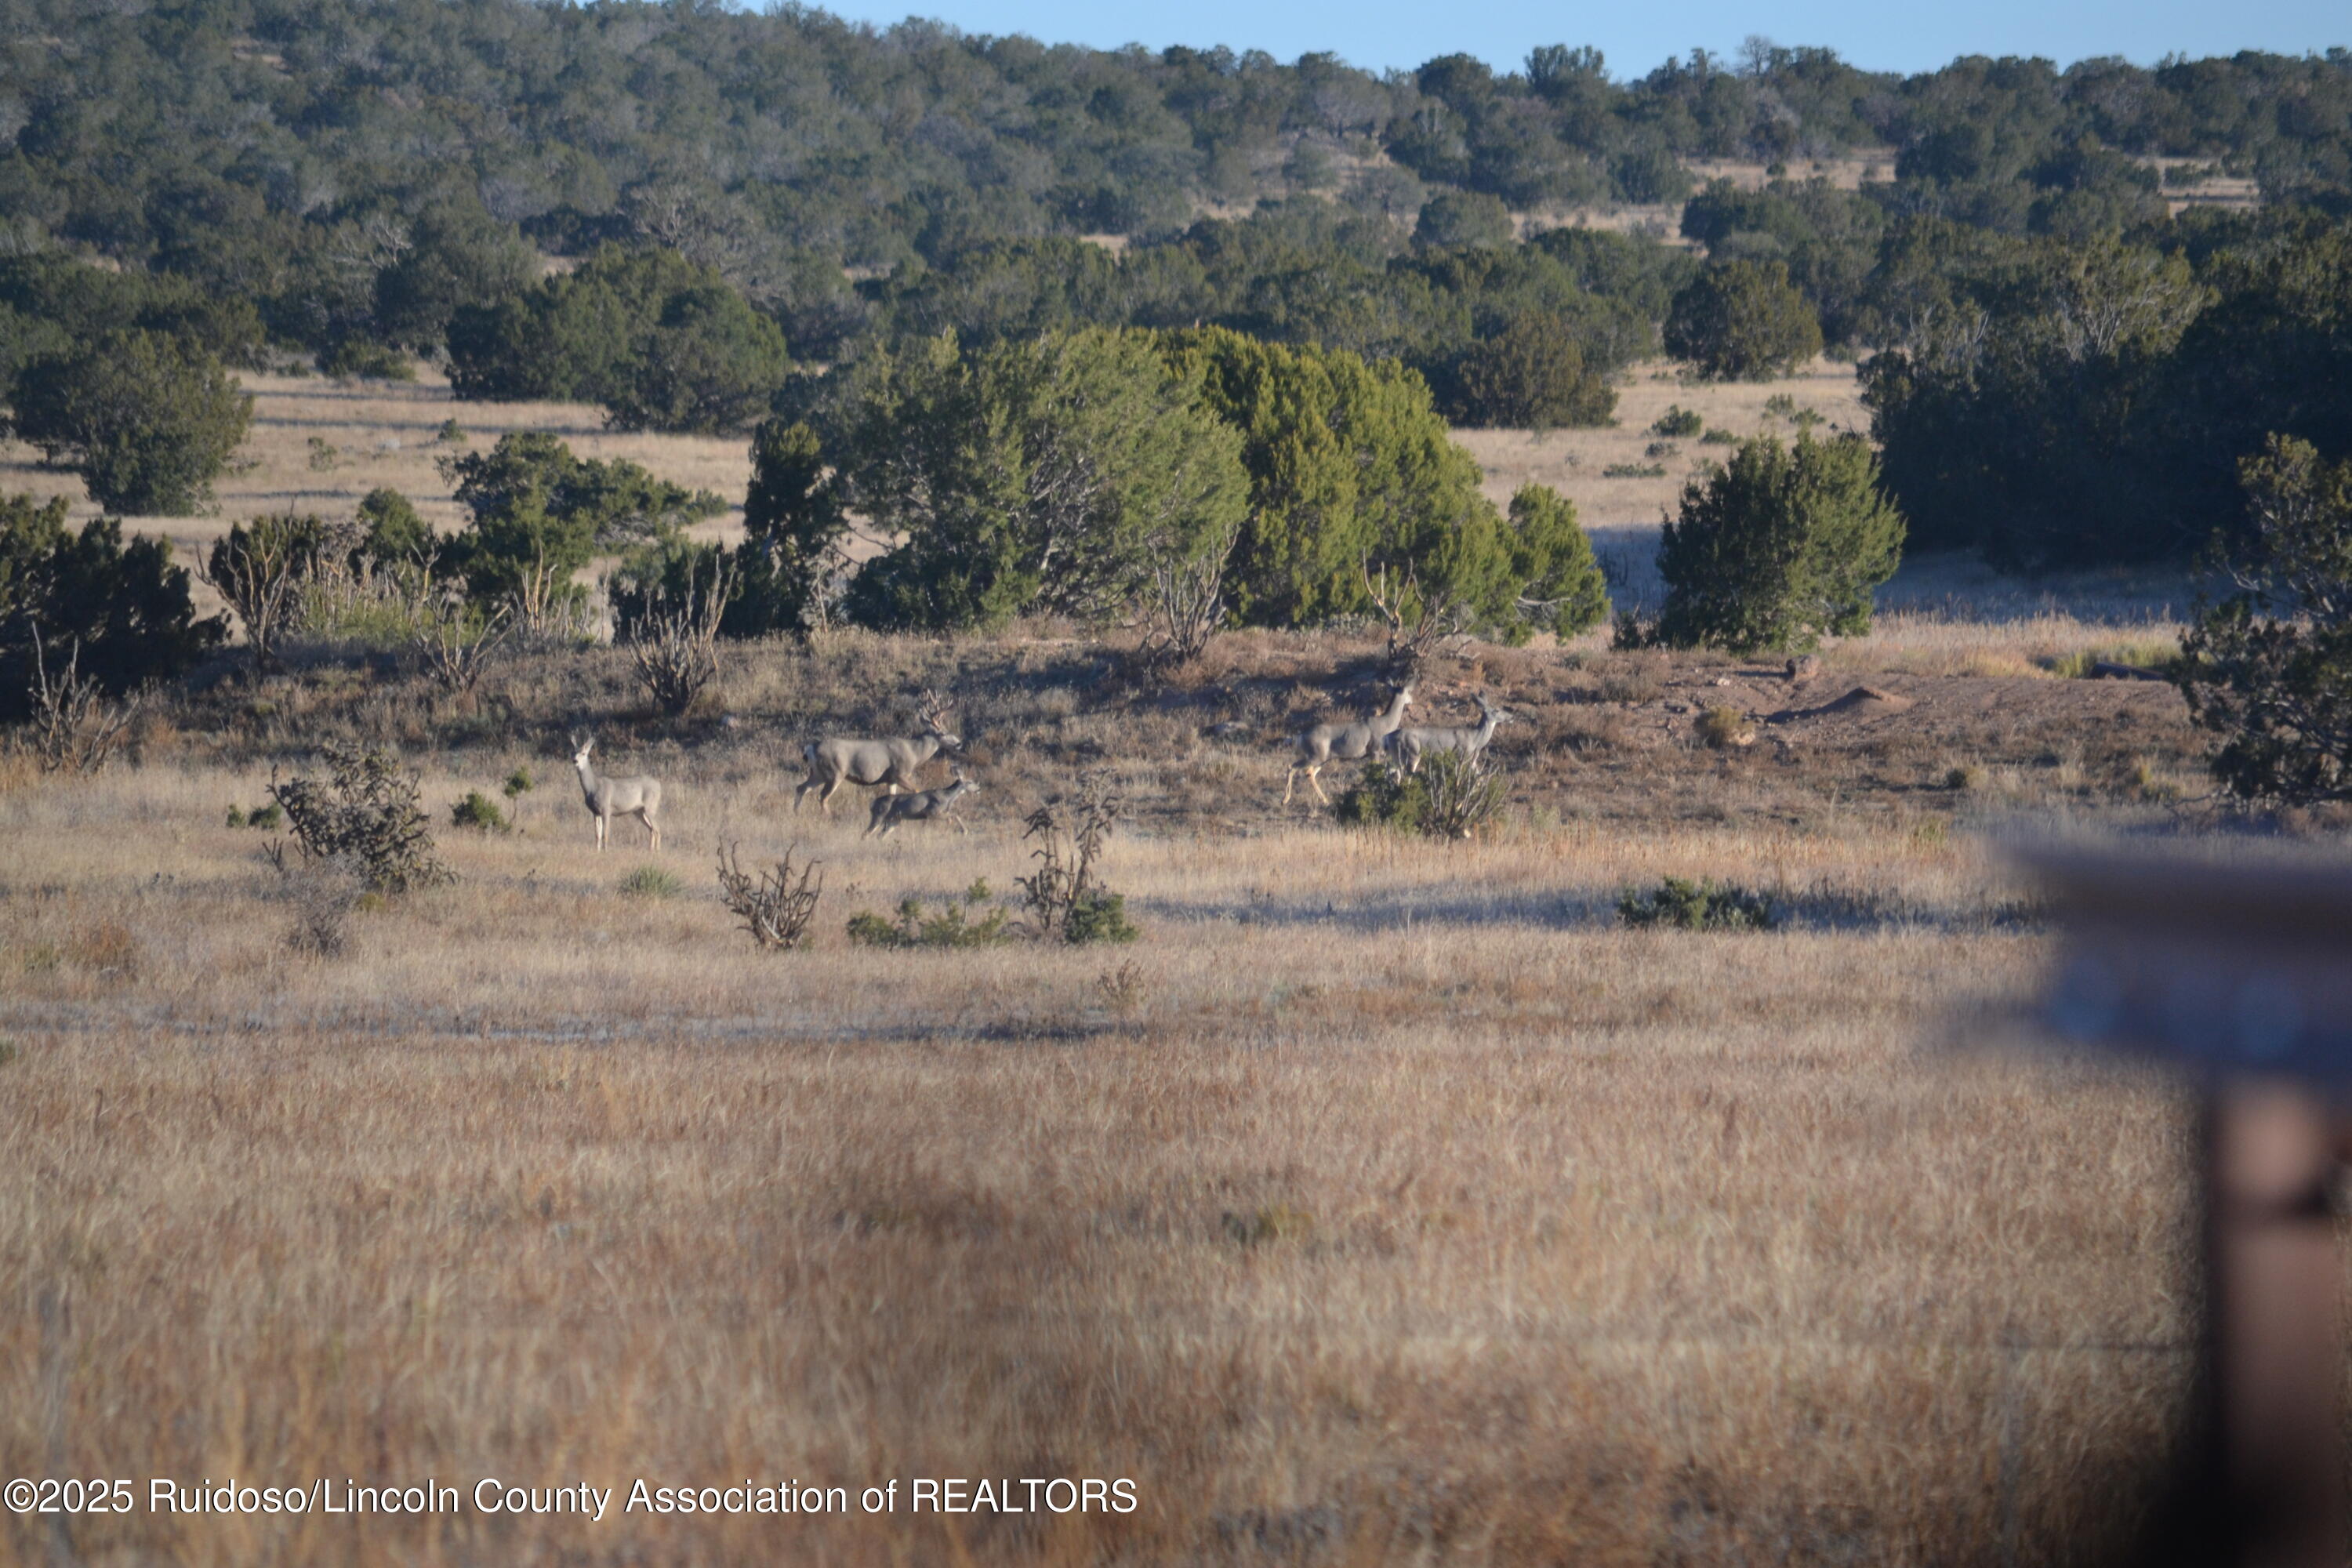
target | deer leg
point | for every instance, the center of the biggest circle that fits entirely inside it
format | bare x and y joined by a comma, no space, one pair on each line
1316,782
653,827
602,822
826,800
1289,783
960,826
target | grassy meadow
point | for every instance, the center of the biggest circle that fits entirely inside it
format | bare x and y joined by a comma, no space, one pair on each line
1386,1200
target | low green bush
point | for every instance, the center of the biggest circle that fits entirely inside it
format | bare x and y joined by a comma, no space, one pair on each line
1453,796
1384,796
1099,917
1704,905
651,882
1679,421
952,926
479,812
1634,471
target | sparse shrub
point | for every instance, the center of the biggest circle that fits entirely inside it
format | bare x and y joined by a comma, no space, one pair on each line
1679,421
669,615
321,895
477,811
1384,796
1634,472
1965,776
2083,664
1697,906
235,817
651,882
1066,896
74,726
1781,405
451,432
365,811
952,926
518,783
1099,917
1661,449
1122,990
266,817
774,906
1451,797
2146,783
262,568
1718,437
1464,792
1274,1222
360,359
453,641
324,456
1721,726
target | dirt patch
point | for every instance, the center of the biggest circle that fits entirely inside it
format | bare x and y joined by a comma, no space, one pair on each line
1862,702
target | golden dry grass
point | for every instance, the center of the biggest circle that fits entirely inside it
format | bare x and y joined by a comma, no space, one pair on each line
1573,462
386,433
1385,1201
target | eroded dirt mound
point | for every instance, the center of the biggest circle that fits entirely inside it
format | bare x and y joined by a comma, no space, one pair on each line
1862,702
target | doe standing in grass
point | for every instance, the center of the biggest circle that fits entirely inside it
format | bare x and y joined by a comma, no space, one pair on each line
1328,743
1410,744
608,797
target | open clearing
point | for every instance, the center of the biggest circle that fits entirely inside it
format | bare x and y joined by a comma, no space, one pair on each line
1387,1200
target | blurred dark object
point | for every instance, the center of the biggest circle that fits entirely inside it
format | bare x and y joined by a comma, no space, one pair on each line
2243,976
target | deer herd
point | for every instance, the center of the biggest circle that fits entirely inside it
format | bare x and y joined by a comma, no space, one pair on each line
895,763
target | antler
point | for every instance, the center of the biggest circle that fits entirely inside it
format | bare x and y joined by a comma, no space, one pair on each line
933,709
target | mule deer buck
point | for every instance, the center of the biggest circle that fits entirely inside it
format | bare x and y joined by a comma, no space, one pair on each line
609,798
834,762
924,805
1408,746
1343,743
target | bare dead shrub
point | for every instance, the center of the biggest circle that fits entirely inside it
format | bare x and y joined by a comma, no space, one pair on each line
454,640
75,727
319,895
775,906
673,636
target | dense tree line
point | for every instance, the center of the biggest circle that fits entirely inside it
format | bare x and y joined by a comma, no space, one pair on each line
2061,370
2051,402
359,170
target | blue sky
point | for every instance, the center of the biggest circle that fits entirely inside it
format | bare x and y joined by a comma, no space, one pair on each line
1880,35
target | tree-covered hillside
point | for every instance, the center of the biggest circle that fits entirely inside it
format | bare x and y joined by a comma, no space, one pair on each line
348,164
682,212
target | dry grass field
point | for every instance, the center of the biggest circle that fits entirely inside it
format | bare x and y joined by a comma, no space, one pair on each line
378,433
1386,1200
